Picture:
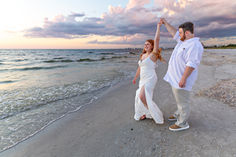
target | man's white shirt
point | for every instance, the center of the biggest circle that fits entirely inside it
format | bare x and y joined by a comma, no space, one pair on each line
185,53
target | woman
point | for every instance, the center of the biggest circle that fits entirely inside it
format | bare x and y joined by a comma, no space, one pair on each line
144,105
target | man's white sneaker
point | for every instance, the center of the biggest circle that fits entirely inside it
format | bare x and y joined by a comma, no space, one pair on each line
175,127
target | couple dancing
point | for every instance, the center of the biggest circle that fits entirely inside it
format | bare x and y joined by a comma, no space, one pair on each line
181,74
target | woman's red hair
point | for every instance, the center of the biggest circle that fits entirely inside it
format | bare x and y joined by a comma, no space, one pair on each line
158,53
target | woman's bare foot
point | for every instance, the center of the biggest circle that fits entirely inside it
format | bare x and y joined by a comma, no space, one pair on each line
143,117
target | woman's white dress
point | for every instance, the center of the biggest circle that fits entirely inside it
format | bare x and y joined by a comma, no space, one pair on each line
148,80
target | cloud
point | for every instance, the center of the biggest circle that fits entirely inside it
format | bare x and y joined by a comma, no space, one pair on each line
212,18
118,21
136,39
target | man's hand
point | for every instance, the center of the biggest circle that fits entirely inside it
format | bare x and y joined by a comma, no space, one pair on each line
182,83
169,27
134,81
163,20
188,70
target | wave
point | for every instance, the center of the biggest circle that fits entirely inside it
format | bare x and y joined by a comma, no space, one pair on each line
8,81
18,101
20,60
91,60
15,133
59,58
50,61
116,57
110,53
67,60
123,62
133,53
85,59
37,68
80,60
53,61
101,59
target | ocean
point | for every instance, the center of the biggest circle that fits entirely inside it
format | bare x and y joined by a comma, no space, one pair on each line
40,86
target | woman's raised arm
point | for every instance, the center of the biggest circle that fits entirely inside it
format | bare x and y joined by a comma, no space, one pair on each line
157,37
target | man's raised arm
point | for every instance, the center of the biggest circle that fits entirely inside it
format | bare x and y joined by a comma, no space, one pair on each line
172,30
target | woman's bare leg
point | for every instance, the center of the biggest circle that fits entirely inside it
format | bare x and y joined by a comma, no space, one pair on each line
142,97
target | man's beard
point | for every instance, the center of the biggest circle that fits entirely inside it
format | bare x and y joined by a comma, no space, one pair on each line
183,38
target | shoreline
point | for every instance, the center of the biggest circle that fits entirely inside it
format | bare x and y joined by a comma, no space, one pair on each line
92,101
52,85
106,127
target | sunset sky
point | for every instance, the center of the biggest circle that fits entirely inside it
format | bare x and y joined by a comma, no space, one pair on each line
86,24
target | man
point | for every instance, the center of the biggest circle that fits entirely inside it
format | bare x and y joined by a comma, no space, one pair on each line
182,70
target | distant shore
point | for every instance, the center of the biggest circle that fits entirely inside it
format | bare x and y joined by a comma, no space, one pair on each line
230,46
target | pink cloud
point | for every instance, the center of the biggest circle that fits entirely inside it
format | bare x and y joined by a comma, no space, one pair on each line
211,19
136,3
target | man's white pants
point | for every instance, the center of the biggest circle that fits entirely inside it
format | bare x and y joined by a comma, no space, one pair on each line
182,98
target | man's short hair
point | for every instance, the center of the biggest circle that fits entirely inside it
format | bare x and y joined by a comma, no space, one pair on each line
187,26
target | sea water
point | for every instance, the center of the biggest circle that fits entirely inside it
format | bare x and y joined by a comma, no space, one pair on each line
38,86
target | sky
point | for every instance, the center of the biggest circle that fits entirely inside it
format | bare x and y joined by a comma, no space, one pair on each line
98,24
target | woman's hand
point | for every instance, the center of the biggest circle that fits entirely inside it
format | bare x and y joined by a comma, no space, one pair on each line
163,20
160,23
136,75
134,81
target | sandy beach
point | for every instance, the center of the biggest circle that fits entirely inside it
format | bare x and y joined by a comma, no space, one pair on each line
106,128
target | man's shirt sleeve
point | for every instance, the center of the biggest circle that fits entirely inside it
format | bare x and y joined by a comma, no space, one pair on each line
194,55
